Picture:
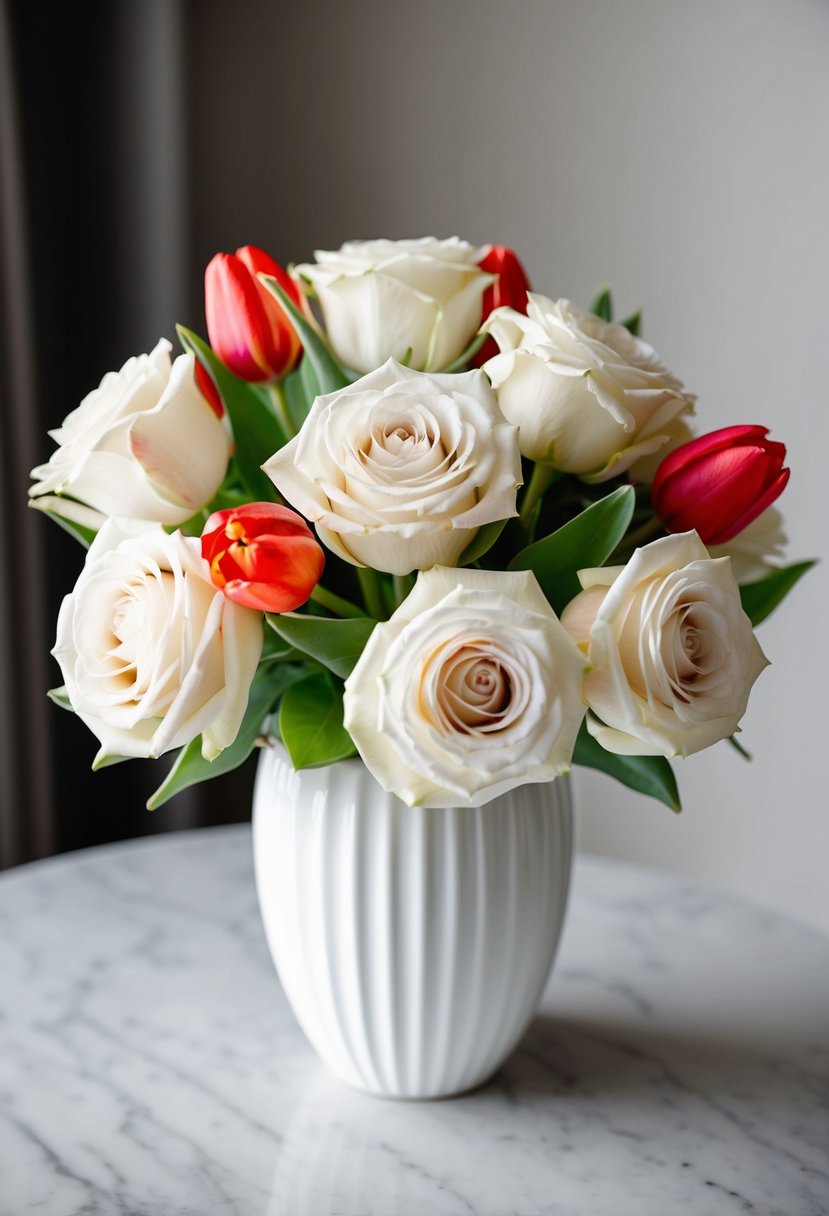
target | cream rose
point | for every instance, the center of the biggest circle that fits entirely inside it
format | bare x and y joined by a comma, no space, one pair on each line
400,469
588,397
151,653
471,688
672,655
758,550
382,299
145,444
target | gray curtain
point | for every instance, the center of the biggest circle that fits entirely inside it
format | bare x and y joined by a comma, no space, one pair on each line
27,814
98,265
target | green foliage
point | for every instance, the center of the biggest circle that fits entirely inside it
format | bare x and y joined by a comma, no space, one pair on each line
761,598
587,540
323,373
61,697
311,722
78,531
602,305
190,767
482,542
335,643
651,775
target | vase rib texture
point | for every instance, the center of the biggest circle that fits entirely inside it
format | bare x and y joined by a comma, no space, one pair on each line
412,943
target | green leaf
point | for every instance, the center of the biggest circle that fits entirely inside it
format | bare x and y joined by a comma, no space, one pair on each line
311,723
257,433
60,697
602,305
337,644
633,323
78,531
480,544
330,374
651,775
190,767
300,392
310,383
585,541
761,598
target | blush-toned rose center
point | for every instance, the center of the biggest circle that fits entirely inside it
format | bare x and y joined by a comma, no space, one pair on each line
475,691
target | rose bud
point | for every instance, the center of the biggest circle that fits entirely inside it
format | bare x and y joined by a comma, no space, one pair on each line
262,555
247,326
717,484
508,291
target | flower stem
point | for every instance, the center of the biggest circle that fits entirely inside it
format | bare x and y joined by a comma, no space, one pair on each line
280,405
403,584
540,478
372,592
633,539
335,603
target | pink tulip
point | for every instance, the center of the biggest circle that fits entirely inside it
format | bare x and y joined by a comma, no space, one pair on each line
717,484
262,555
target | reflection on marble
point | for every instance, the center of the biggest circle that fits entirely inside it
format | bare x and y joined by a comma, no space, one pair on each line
149,1064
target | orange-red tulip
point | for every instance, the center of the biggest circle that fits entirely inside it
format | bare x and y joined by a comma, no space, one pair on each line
247,326
262,555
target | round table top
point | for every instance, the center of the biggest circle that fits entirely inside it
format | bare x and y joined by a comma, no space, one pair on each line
149,1063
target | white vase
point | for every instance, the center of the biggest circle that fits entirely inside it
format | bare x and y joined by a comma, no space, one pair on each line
413,944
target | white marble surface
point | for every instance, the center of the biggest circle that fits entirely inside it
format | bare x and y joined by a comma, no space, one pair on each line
149,1065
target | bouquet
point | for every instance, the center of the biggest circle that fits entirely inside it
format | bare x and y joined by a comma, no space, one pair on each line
399,504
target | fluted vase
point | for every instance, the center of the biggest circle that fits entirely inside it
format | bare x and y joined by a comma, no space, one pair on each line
413,944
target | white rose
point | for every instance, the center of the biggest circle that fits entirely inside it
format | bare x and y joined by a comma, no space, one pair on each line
152,654
145,444
471,688
672,655
400,469
382,299
758,550
588,397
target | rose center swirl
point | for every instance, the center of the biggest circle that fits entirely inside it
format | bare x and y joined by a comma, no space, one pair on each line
474,691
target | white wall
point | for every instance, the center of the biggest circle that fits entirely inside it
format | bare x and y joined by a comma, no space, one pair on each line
678,151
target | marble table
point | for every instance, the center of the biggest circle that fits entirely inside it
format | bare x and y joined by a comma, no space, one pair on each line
150,1066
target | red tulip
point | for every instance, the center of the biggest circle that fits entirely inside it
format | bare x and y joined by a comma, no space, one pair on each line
509,290
718,483
247,326
262,555
208,390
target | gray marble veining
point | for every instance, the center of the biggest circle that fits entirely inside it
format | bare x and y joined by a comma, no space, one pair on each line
150,1066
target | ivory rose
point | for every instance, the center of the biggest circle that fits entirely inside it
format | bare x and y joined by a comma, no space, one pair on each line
588,397
152,654
672,655
144,444
400,469
758,550
384,299
470,689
